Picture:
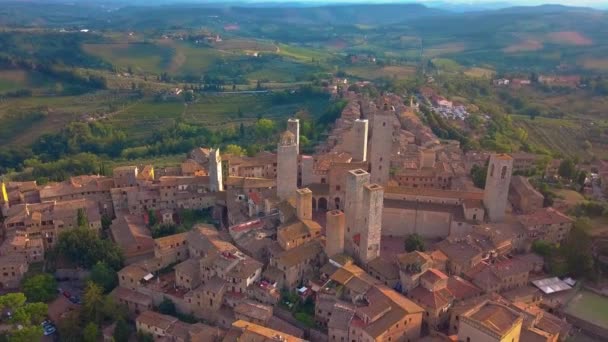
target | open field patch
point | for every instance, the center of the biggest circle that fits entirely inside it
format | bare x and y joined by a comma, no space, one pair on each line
570,38
446,64
371,72
212,111
17,79
524,46
557,135
245,45
141,57
590,307
443,49
302,54
479,72
599,64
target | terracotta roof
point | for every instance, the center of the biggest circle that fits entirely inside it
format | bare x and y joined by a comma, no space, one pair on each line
462,289
341,315
171,240
415,257
544,216
430,192
253,332
300,254
433,276
255,310
250,182
190,267
134,271
495,317
503,156
431,300
387,269
399,306
132,296
298,229
155,319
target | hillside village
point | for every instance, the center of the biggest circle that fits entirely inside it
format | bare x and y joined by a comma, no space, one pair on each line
313,247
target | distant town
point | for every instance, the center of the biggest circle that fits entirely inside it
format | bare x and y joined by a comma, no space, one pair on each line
380,235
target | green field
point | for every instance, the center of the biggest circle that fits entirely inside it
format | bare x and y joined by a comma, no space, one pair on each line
144,58
559,135
303,54
17,79
211,111
590,307
372,72
23,120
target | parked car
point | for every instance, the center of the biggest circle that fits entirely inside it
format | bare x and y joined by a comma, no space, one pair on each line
48,327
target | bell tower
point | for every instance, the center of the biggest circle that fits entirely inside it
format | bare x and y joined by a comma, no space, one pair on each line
496,191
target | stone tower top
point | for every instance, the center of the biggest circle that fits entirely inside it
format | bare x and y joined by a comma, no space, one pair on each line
288,139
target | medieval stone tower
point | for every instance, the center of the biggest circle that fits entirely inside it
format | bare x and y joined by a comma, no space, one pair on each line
287,166
497,186
353,207
304,204
215,171
359,140
293,125
381,146
370,231
334,232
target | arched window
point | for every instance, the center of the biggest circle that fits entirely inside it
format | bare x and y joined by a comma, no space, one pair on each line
503,173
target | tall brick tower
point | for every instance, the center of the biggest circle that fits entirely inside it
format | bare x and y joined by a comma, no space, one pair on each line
381,146
353,204
287,166
334,232
215,171
497,186
293,125
370,231
304,204
359,140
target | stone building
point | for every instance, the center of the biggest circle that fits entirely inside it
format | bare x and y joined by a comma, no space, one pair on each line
490,321
93,188
47,220
12,269
523,197
547,224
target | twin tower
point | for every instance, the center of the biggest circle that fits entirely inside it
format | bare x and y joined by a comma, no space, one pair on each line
358,230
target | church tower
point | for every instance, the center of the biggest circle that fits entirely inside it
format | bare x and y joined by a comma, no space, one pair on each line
497,186
216,182
287,166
